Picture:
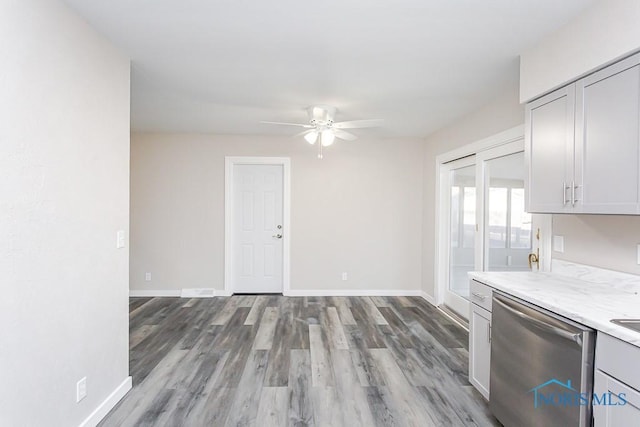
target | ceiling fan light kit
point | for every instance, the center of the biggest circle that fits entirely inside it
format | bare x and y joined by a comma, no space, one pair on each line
322,126
311,137
328,137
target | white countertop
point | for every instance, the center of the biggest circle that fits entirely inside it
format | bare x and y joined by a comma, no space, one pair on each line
586,302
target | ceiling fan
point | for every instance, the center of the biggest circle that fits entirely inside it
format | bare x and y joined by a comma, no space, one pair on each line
323,129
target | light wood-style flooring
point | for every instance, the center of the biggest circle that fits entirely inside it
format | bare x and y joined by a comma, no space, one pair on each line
299,361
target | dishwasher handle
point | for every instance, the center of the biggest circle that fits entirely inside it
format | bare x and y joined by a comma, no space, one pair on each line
539,323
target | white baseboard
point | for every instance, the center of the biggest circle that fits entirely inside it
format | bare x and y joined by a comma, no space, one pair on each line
210,292
198,293
350,293
154,293
109,403
428,298
223,293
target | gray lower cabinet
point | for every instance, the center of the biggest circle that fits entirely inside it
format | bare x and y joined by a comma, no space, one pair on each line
480,337
612,413
616,400
480,349
582,144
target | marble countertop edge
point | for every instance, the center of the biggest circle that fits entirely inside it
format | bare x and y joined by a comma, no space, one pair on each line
588,303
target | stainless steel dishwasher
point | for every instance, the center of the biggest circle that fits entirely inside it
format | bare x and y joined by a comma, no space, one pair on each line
541,366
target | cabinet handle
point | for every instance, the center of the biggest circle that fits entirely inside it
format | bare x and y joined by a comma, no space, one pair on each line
479,296
574,198
489,334
565,187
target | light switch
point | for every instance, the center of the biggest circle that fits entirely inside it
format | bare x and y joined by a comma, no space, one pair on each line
81,389
120,239
558,243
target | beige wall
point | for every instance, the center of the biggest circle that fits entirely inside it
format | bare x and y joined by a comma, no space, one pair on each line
503,113
64,192
356,211
606,31
607,241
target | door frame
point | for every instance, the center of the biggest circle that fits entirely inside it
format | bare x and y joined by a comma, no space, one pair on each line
230,162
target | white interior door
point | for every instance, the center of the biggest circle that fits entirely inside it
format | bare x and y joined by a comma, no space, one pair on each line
257,228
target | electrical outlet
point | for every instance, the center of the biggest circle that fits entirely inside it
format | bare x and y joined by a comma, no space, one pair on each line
120,239
558,244
81,389
147,277
345,276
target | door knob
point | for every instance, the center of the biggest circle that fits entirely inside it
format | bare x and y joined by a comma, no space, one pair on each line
277,236
534,258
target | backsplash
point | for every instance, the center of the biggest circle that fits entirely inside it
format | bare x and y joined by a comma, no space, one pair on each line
605,241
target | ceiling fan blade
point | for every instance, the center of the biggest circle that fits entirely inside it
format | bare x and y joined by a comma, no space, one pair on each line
344,135
287,124
353,124
303,133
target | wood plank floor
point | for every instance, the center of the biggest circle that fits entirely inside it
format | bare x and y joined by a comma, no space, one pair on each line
306,361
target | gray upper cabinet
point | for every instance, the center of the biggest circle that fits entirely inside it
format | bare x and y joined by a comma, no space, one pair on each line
607,139
549,150
583,144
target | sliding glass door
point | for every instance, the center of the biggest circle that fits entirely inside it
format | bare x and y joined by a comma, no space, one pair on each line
484,225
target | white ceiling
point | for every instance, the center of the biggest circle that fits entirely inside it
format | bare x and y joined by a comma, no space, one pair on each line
221,66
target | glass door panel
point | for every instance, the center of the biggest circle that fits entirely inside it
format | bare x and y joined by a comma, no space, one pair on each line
460,198
508,227
463,229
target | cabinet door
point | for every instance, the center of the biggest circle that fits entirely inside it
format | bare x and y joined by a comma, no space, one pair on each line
614,414
480,349
607,139
549,138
